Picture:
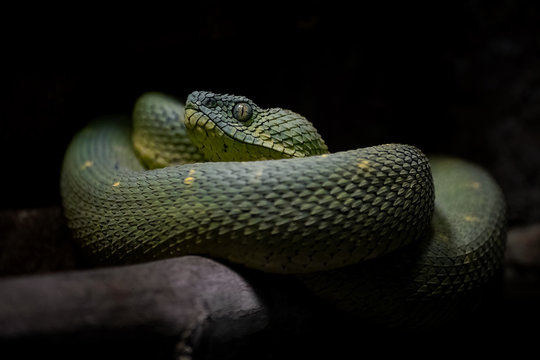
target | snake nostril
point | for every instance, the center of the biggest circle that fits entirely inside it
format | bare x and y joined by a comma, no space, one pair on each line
209,102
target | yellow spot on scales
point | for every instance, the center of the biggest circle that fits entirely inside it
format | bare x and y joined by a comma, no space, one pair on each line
442,237
364,164
475,185
116,184
257,175
470,218
87,164
190,179
324,155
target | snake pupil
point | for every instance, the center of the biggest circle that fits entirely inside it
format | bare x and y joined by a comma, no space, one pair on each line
242,111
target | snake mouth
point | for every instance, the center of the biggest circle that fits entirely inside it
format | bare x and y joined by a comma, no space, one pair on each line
215,130
194,117
194,105
219,142
191,105
191,110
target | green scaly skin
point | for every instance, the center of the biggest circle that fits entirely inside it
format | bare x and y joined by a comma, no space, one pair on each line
307,212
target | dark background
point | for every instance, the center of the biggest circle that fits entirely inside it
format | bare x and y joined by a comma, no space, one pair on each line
460,79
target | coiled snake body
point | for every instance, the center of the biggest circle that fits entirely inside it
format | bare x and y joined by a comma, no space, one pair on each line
256,186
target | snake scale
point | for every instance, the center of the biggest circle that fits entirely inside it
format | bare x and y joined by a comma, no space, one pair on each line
258,187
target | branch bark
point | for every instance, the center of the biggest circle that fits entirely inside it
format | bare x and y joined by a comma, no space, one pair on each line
178,306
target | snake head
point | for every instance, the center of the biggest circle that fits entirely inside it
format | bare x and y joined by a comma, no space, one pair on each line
233,128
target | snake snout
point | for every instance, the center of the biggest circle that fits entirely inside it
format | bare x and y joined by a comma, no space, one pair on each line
198,98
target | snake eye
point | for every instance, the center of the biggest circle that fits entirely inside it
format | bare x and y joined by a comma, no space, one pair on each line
242,111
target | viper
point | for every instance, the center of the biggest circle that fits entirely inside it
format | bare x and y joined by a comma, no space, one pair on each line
381,231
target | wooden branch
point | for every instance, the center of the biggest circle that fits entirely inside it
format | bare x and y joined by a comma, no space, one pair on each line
183,305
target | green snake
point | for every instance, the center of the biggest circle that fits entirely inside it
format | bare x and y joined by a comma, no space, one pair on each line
225,178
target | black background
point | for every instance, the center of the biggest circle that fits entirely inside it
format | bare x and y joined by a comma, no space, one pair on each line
461,78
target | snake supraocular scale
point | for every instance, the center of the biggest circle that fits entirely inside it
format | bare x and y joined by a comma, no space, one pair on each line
263,191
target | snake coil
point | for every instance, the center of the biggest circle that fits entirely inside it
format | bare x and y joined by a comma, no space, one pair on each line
257,186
